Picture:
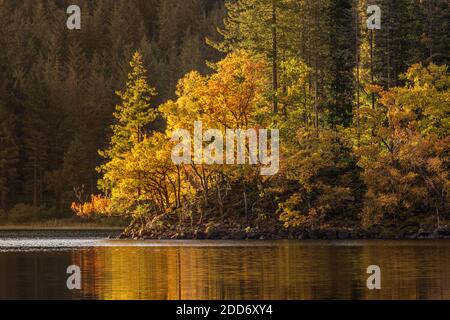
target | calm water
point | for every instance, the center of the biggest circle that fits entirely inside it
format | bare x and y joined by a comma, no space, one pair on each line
33,268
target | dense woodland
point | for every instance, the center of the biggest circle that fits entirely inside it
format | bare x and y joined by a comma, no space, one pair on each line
86,116
57,86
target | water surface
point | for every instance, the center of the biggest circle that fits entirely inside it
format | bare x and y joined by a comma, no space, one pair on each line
33,266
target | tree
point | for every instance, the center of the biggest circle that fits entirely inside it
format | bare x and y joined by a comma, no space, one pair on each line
324,170
406,165
9,156
231,98
135,113
255,26
134,117
59,86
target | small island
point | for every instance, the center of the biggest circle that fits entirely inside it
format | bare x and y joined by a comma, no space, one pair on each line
352,121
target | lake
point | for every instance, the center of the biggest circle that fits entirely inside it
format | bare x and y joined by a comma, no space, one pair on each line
33,265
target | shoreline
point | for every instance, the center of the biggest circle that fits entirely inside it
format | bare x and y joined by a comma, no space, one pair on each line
442,233
50,228
120,233
284,239
106,232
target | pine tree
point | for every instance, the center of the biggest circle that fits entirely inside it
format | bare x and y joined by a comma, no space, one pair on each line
342,63
435,30
43,126
191,57
135,114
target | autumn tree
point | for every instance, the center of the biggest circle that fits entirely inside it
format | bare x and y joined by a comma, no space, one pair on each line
326,177
231,98
406,165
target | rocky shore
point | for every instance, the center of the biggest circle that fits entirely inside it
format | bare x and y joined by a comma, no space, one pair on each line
220,232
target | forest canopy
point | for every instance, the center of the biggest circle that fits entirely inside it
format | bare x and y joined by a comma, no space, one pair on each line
87,116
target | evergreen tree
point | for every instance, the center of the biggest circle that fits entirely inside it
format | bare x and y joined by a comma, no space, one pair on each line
134,115
342,63
256,26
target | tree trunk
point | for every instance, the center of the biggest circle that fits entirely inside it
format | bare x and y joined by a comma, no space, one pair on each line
358,103
35,184
371,67
245,203
274,58
316,106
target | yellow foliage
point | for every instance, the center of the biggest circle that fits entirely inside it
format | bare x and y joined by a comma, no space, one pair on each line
405,161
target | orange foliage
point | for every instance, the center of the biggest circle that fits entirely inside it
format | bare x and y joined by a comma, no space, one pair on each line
99,205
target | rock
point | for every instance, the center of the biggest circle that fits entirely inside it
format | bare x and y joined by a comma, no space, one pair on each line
401,235
199,235
426,227
240,235
423,235
314,235
425,232
434,236
331,235
441,232
412,236
323,234
303,236
410,229
249,235
188,235
344,235
213,231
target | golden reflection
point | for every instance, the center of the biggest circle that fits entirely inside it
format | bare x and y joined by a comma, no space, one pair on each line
280,270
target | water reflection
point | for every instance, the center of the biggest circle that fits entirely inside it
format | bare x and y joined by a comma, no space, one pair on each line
240,271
